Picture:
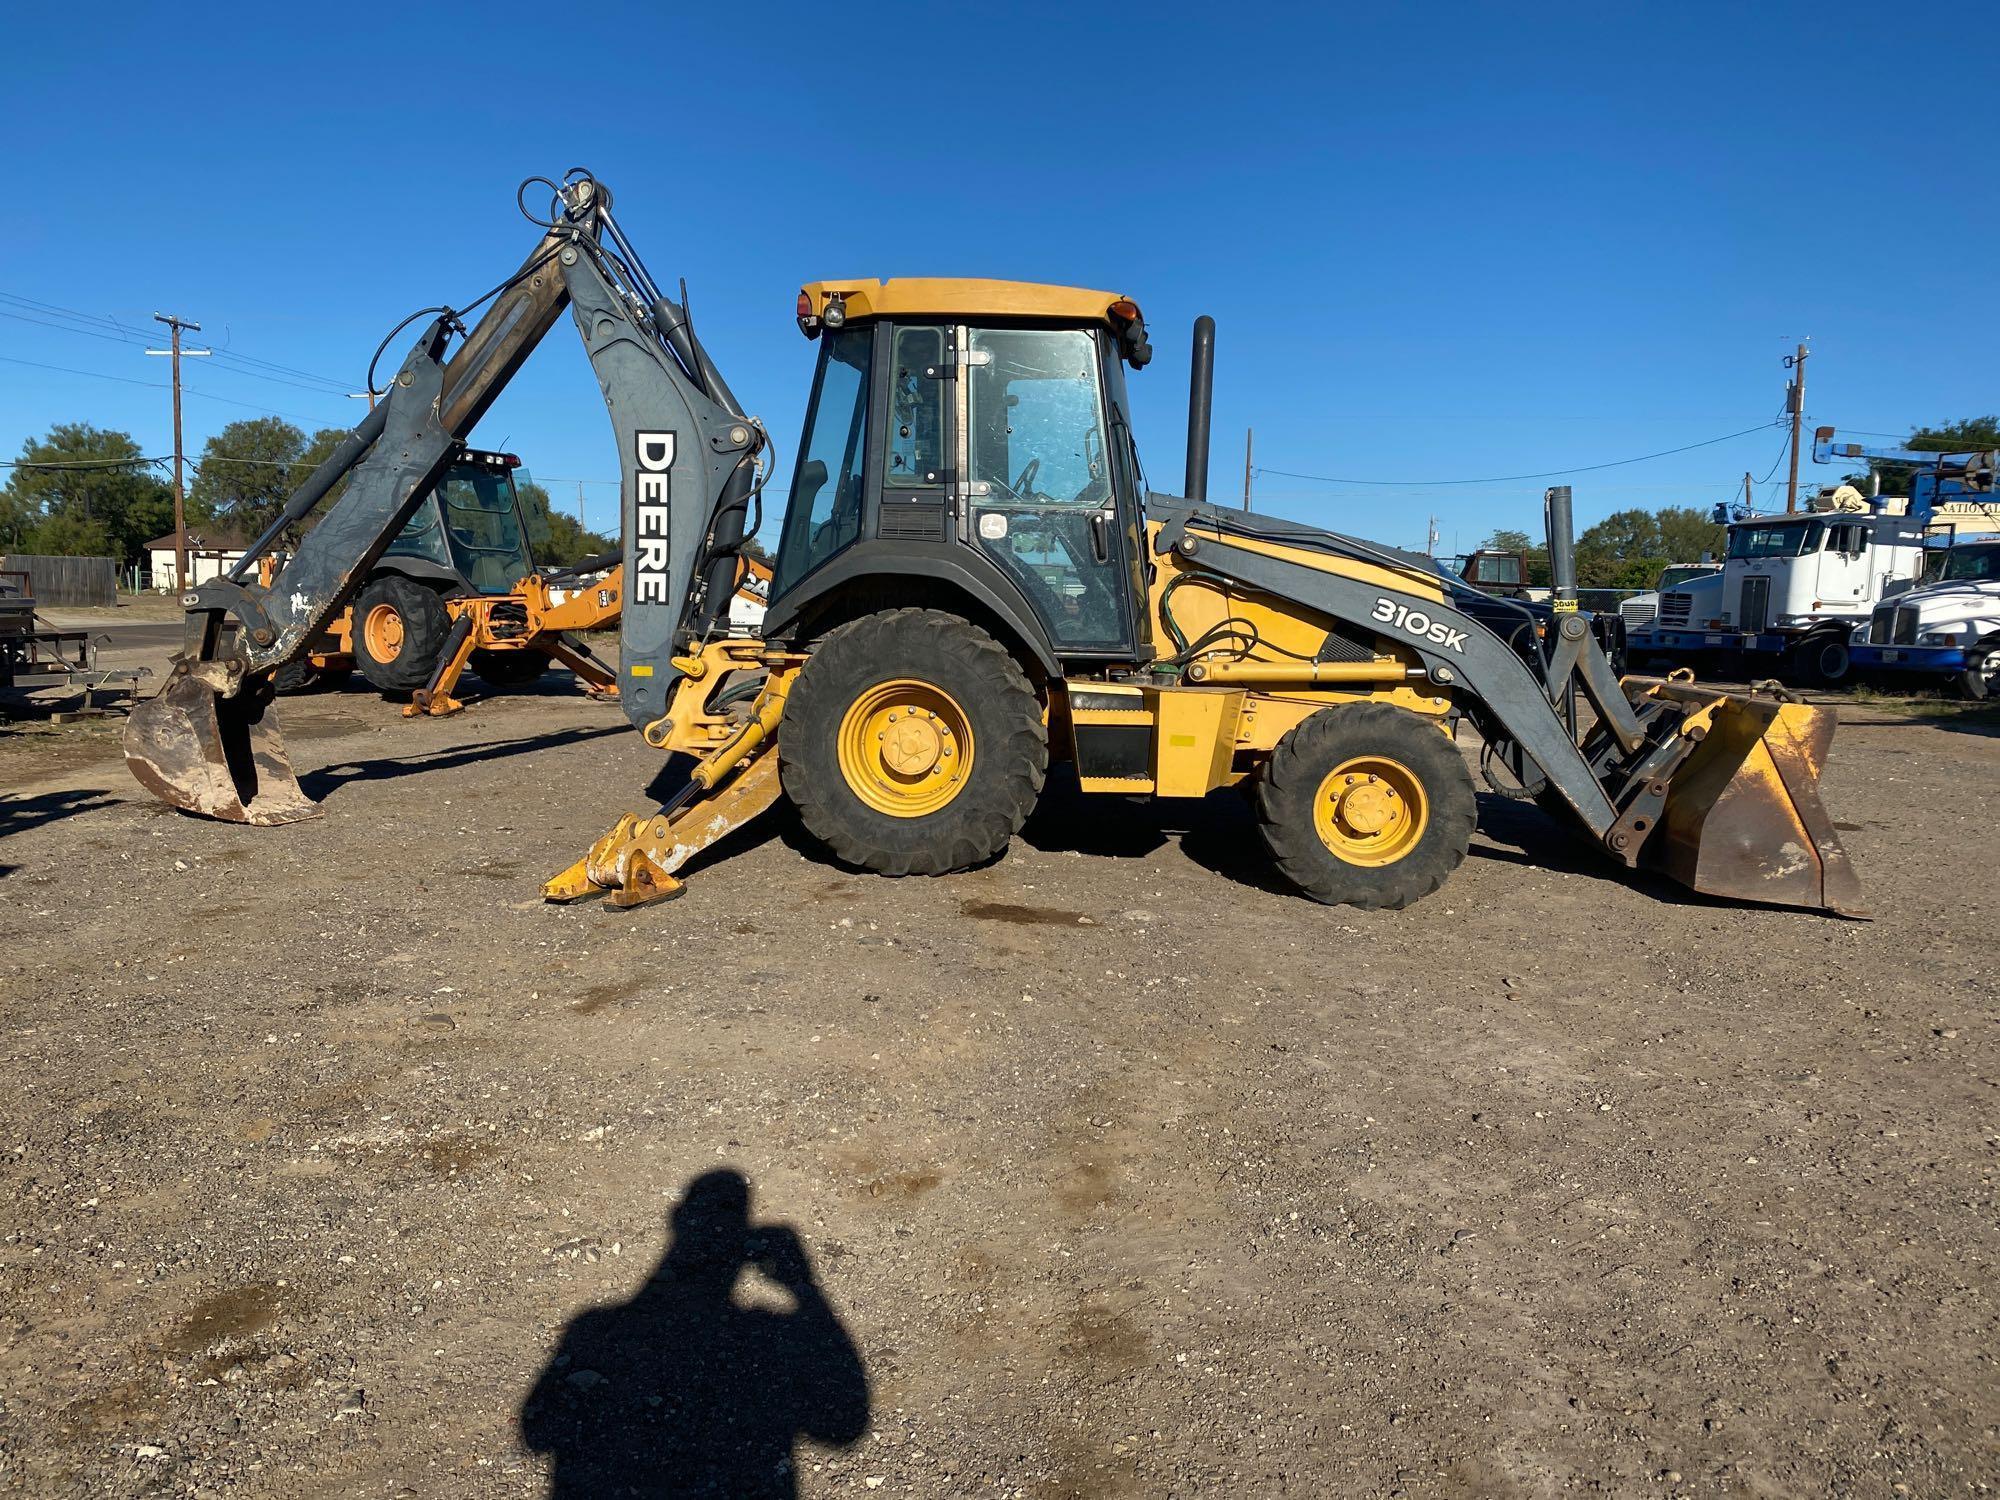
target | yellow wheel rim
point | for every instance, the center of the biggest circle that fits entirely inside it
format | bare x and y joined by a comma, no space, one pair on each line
383,630
1370,810
905,748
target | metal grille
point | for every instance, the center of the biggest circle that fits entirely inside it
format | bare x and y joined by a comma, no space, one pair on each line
1675,608
1905,633
1638,611
1756,604
912,523
1882,625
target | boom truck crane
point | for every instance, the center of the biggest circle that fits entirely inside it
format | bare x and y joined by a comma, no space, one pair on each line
970,581
1946,629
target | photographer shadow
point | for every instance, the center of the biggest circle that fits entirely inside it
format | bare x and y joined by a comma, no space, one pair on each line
685,1390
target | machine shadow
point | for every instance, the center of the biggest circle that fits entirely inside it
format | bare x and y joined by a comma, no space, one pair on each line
1217,832
684,1390
18,813
317,784
1520,833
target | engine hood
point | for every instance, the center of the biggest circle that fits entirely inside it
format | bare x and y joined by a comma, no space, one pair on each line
1952,601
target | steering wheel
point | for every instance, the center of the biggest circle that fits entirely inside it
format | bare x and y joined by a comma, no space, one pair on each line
1026,478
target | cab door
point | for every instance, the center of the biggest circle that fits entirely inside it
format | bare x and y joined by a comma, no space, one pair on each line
1845,566
1038,480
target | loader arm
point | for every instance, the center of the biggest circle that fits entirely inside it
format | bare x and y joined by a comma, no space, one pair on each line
1641,780
208,742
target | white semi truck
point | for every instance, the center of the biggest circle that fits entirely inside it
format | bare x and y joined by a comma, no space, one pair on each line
1797,591
1792,590
1945,633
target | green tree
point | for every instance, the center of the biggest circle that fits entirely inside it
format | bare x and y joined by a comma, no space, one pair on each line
1621,551
558,540
1971,435
84,490
1687,532
247,473
68,534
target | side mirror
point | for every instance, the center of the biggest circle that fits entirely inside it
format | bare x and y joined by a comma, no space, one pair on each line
812,479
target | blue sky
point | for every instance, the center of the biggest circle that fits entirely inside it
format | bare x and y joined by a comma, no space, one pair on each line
1441,242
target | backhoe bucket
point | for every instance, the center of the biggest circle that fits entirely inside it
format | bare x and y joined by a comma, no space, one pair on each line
218,757
1743,818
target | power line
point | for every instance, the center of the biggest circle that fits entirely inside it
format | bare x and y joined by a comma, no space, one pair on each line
1615,463
241,364
78,463
89,333
161,385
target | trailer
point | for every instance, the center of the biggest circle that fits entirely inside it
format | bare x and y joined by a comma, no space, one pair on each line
35,655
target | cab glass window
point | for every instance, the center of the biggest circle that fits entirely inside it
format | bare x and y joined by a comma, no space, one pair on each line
1972,564
1793,540
916,409
1040,474
824,514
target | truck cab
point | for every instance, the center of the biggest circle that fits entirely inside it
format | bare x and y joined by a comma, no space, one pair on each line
1792,587
1492,571
1947,631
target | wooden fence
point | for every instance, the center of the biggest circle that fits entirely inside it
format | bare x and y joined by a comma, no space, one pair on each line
66,580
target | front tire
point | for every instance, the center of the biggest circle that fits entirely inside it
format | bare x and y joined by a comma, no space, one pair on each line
1981,678
1367,805
912,743
399,627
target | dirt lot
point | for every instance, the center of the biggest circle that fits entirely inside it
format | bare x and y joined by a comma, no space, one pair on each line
337,1164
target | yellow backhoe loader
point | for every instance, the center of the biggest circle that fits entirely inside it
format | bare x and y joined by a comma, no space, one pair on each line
971,581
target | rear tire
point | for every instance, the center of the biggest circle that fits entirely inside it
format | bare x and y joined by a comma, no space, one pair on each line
399,628
293,678
1366,805
1820,661
951,696
509,669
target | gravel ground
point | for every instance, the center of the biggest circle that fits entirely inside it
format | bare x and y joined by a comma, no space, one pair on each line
337,1164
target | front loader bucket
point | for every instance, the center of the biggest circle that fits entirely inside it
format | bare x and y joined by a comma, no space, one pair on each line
1743,817
218,757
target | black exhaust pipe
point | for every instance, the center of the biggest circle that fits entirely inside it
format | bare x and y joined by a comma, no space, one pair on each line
1201,391
1561,528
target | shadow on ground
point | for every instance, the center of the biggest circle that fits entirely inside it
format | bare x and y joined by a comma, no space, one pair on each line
686,1390
20,813
317,784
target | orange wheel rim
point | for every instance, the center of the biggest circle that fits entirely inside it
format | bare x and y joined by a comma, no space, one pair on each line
383,630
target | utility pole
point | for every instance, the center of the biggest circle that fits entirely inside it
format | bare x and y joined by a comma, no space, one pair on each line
1249,436
579,505
175,325
1747,503
1795,397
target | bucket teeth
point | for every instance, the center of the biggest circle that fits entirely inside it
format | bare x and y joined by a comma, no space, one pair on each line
217,757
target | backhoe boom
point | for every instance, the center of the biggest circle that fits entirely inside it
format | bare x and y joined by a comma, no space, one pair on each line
209,744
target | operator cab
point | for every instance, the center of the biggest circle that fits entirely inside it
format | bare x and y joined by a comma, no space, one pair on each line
472,526
976,433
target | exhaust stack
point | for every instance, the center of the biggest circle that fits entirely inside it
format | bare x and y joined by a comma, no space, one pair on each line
1201,393
1560,525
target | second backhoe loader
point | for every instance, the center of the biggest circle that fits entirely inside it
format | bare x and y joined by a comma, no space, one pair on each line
972,581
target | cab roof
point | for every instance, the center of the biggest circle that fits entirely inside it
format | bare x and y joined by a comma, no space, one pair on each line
968,297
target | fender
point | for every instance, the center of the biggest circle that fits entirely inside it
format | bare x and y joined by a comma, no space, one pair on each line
1463,652
958,566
